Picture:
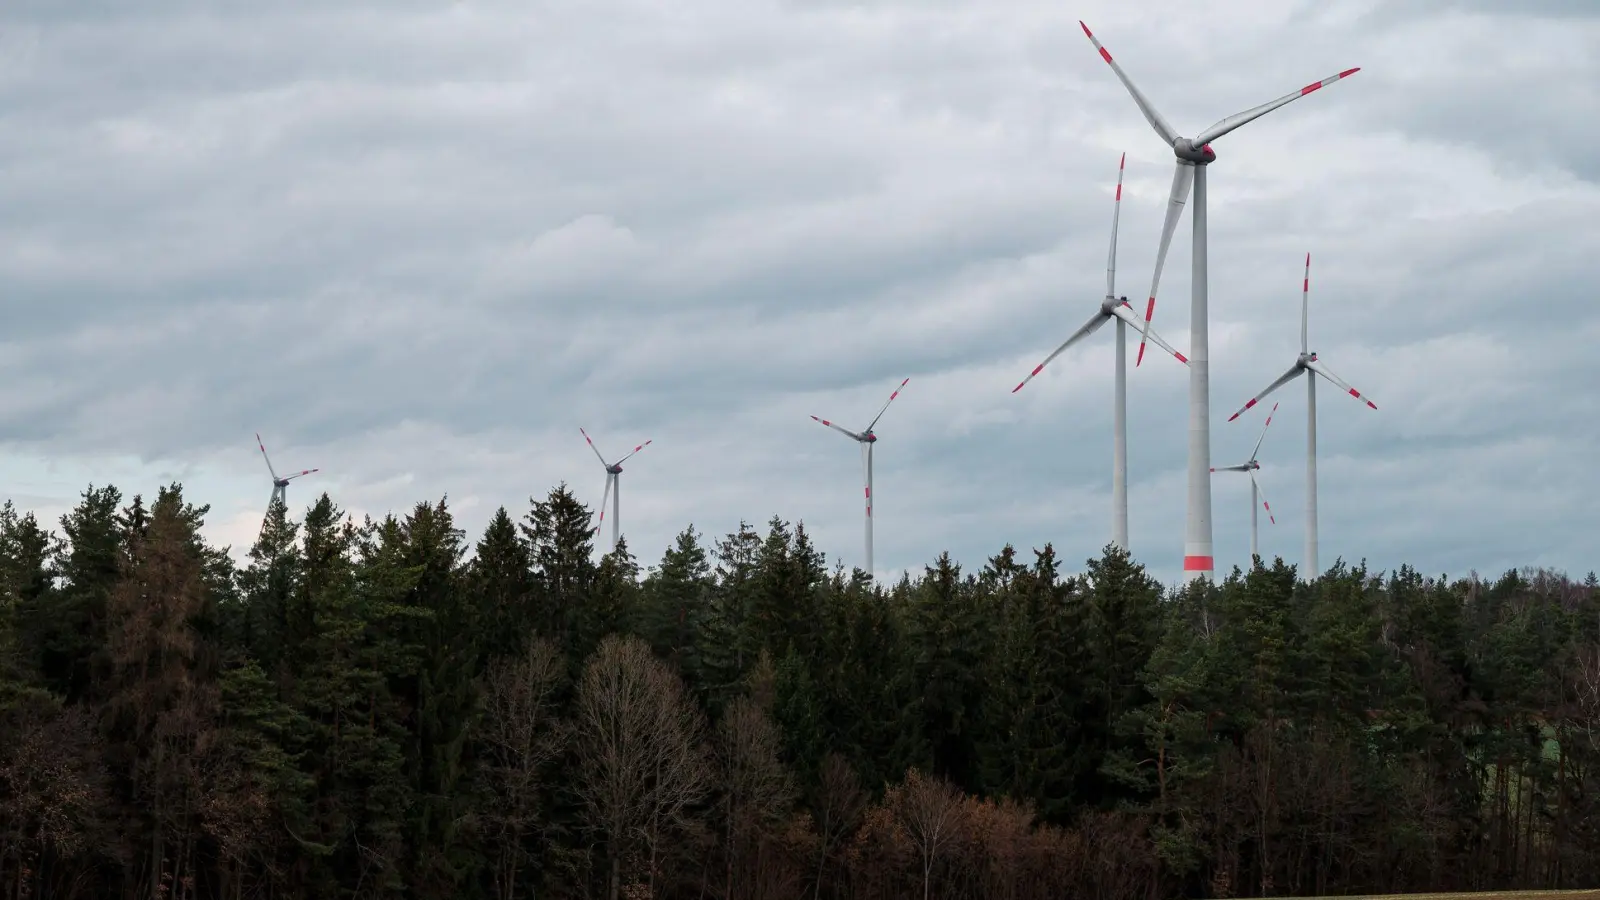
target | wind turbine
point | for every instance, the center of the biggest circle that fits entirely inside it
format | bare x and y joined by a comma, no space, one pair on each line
1308,364
866,438
1114,307
1194,154
1249,467
280,486
613,489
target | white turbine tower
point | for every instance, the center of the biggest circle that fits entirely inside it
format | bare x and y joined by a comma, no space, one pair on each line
1114,307
280,486
1194,154
613,489
1308,364
1257,495
866,439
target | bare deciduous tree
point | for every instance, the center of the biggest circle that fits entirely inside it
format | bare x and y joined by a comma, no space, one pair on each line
838,807
521,735
640,753
931,811
757,790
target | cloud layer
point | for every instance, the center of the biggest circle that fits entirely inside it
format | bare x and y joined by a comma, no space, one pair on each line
418,244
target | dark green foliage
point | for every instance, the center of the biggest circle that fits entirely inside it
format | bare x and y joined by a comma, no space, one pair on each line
365,711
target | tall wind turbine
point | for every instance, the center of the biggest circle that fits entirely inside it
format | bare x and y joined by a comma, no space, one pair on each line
1114,307
280,486
1257,495
1308,364
613,489
1194,154
866,438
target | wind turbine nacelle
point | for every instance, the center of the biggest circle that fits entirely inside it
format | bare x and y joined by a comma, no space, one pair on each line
870,438
1198,155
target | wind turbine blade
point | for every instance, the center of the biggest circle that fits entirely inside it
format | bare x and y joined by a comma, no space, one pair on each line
1182,181
1244,467
1125,313
1263,494
266,457
1263,437
844,431
1100,318
1283,379
886,404
1323,370
1116,217
1154,118
298,474
631,452
1250,115
1305,303
593,447
604,499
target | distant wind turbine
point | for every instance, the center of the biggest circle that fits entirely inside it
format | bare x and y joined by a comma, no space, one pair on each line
1308,364
280,486
866,438
1257,495
613,489
1114,307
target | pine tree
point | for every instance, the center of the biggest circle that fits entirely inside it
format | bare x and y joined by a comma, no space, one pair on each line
727,647
266,587
613,603
71,635
675,600
162,699
501,580
1120,618
559,532
26,591
954,639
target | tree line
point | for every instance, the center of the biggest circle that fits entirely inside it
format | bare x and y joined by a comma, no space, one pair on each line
381,709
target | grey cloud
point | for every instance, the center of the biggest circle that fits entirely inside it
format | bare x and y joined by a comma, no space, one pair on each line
417,245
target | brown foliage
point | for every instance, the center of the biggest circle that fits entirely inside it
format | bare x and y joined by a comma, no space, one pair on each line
52,789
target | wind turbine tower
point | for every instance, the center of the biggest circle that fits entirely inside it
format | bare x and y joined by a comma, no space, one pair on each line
866,439
1114,307
1193,155
613,489
280,486
1308,364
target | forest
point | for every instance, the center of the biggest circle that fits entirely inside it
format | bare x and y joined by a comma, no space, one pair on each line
388,709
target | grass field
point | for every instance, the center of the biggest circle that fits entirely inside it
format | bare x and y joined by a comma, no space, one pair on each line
1485,895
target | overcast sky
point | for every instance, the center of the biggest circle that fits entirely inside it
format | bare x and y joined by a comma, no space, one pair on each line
418,244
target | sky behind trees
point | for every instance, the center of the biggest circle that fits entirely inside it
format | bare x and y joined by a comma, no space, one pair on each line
419,244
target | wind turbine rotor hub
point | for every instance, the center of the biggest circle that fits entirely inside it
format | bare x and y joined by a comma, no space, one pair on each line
1188,152
614,469
1109,305
870,438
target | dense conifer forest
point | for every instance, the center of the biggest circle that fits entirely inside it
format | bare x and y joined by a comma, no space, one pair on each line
387,709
